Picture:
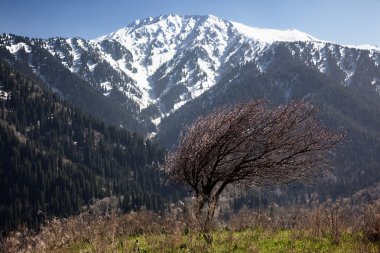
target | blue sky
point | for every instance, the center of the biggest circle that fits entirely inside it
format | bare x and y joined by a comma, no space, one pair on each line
341,21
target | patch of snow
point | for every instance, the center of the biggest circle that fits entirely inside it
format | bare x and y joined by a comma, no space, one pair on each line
375,58
66,64
52,52
91,67
151,135
375,80
157,121
76,53
107,86
272,35
3,94
364,47
319,59
81,44
179,105
13,49
350,72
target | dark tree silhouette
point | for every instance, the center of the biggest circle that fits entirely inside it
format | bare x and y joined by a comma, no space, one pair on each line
249,144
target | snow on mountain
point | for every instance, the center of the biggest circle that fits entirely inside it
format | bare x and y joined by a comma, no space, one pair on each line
168,39
162,63
189,52
13,49
177,58
272,35
364,47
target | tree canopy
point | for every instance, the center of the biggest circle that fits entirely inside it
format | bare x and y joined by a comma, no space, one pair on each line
249,144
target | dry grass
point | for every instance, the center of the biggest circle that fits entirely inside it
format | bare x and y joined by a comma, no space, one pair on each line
337,226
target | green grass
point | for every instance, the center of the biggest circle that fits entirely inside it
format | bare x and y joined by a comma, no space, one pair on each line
257,240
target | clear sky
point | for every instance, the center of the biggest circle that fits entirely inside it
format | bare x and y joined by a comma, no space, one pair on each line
342,21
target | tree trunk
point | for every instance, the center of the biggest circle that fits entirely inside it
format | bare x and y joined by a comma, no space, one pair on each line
199,204
210,214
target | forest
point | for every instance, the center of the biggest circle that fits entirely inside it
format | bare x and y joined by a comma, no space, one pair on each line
57,160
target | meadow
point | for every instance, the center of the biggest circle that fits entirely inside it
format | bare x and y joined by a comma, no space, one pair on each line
332,226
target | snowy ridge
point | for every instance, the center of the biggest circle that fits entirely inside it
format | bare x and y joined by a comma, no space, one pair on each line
167,61
364,47
163,43
195,51
155,42
272,35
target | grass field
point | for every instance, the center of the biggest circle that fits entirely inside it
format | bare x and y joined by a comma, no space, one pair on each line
329,227
256,240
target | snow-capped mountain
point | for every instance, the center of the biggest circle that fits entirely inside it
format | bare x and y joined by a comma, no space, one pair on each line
159,64
159,74
175,59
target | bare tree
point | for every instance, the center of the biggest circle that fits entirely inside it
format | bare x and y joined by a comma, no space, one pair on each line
250,145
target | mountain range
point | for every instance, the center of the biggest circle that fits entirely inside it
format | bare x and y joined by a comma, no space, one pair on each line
152,67
157,75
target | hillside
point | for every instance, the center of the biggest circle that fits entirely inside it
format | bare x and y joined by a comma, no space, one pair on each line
56,160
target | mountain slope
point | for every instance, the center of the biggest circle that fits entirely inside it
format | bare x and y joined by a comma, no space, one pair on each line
341,107
154,66
56,160
30,56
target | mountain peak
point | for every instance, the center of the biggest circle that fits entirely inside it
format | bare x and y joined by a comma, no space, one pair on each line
251,33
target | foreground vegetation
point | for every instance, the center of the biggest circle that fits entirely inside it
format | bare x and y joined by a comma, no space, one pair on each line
328,227
224,241
257,240
248,240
